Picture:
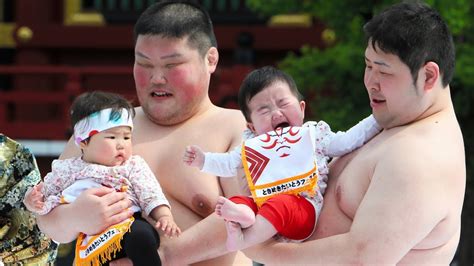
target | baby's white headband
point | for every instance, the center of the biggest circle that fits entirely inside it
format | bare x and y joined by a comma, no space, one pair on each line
100,121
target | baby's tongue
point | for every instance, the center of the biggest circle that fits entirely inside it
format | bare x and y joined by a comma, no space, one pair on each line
282,125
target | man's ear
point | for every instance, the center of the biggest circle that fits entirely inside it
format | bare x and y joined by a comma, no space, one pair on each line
431,75
212,59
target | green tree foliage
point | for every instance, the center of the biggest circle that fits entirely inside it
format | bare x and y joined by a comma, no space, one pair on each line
331,78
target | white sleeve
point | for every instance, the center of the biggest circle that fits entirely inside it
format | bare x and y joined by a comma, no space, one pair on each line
345,142
223,164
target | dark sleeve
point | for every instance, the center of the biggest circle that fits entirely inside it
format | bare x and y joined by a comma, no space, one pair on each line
21,241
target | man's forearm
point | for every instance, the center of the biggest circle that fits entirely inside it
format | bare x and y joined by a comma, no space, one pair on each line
205,240
333,250
56,225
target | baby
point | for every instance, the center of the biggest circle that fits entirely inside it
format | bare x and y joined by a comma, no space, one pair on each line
284,160
103,126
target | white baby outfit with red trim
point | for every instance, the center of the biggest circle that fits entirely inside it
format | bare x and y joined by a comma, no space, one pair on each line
324,142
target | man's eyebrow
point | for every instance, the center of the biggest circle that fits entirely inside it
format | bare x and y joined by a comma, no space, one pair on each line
378,63
141,55
173,55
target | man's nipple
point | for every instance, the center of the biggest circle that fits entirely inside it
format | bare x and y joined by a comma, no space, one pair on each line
202,205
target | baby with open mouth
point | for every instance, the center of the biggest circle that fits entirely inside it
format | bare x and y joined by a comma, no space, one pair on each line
285,162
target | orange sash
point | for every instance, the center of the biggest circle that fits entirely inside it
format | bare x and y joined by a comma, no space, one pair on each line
98,249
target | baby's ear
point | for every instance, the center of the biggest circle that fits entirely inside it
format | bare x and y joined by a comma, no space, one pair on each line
302,106
83,144
251,127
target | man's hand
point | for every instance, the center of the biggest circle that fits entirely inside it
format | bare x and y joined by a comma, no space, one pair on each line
99,208
34,198
194,156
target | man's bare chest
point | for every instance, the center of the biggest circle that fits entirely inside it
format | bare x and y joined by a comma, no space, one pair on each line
180,182
349,179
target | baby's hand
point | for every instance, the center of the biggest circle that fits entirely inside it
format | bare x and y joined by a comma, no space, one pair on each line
166,224
34,198
194,156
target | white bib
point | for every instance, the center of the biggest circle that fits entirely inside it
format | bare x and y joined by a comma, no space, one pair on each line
280,162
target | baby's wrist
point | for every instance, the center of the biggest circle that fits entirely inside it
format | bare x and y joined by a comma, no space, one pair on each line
164,216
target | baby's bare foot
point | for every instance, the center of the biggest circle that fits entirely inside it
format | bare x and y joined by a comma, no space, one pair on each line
238,213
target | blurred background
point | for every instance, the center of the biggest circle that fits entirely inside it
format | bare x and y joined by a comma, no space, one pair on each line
53,50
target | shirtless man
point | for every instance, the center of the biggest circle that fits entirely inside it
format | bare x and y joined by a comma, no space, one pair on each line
397,199
175,55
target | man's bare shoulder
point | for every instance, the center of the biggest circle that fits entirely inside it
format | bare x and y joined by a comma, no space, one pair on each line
141,122
233,114
217,117
229,120
232,124
71,150
407,146
417,152
436,137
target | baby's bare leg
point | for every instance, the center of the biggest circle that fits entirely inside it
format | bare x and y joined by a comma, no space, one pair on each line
238,213
238,239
